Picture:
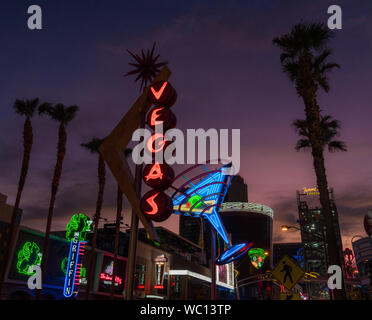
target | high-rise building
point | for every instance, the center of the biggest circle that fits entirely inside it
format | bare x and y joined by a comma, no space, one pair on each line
238,190
313,237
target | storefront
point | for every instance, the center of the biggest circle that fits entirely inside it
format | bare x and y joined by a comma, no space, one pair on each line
28,250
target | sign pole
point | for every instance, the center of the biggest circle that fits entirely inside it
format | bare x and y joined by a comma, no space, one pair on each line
213,264
134,231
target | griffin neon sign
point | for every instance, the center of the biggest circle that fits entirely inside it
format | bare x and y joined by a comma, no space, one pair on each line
76,231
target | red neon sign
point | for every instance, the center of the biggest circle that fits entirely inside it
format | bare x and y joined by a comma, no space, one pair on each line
158,287
155,172
154,116
158,94
104,276
152,203
153,140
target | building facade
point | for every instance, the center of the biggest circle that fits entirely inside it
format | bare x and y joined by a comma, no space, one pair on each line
363,256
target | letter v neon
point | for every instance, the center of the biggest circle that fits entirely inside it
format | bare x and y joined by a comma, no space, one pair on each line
158,94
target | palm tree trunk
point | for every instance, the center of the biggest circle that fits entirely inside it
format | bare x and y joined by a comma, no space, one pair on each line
307,89
61,152
333,249
313,117
27,146
97,217
119,208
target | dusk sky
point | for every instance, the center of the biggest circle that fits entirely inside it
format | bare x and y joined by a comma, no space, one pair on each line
227,74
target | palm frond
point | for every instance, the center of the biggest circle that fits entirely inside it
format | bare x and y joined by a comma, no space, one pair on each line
93,145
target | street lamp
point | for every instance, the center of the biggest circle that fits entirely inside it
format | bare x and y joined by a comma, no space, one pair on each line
284,228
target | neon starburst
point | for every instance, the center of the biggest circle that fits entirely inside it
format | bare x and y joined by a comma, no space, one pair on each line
146,66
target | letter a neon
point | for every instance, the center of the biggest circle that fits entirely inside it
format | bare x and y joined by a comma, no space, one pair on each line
155,172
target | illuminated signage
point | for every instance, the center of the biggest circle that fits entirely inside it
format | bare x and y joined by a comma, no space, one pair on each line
233,253
108,278
162,94
141,275
310,191
107,273
155,204
76,231
160,262
158,176
299,257
257,257
28,256
204,199
163,116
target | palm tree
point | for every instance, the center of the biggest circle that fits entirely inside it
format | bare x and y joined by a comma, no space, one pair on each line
330,129
93,146
63,115
24,108
119,208
304,59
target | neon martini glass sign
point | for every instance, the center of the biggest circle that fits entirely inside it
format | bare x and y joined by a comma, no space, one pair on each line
76,231
204,199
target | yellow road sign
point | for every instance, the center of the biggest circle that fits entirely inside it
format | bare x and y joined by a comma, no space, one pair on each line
287,272
290,296
236,272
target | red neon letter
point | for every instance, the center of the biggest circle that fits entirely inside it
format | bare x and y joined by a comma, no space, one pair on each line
153,139
154,116
152,203
155,172
158,94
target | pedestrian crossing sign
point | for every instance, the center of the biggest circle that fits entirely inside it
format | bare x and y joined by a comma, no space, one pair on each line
287,272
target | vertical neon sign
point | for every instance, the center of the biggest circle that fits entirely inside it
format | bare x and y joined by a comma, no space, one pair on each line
76,231
160,262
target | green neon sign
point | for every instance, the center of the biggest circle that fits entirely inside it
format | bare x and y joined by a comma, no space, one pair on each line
83,271
195,199
28,256
64,264
80,223
257,257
